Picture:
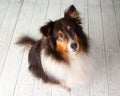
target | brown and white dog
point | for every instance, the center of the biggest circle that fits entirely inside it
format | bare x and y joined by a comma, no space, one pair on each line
61,56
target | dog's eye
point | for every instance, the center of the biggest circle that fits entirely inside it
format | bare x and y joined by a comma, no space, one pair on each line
60,35
71,30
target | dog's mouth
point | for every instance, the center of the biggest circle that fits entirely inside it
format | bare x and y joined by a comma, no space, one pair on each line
75,50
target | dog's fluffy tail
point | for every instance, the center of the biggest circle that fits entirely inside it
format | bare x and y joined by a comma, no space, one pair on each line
26,41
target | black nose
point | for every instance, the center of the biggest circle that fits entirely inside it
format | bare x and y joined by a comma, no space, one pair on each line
73,46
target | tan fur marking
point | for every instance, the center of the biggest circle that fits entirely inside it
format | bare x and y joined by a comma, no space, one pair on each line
74,14
63,85
68,27
60,32
61,47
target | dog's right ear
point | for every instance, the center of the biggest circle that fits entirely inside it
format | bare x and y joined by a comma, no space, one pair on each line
73,14
46,29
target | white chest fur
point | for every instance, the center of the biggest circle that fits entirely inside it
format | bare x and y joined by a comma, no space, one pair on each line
75,74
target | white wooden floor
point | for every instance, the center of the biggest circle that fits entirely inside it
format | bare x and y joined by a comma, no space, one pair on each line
101,21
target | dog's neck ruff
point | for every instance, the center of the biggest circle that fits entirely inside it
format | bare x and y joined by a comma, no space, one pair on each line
74,74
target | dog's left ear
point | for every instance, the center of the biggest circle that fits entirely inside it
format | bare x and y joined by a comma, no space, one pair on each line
73,14
46,29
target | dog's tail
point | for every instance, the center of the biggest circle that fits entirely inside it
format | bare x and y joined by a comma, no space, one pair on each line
26,41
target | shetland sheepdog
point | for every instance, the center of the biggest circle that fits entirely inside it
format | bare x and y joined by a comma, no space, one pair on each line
61,56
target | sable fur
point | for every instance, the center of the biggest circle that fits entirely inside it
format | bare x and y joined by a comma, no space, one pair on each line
25,40
47,45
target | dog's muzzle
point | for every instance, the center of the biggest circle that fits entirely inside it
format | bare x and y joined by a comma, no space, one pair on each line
74,46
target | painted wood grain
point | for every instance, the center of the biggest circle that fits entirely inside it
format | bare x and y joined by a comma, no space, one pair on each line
65,5
3,9
111,46
116,6
99,85
7,29
10,73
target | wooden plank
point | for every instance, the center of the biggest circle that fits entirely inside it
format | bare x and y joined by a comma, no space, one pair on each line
41,89
98,86
53,10
111,47
116,6
109,25
25,81
81,6
10,73
39,18
65,5
113,67
6,29
4,4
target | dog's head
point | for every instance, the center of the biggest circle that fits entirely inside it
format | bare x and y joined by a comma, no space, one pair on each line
66,34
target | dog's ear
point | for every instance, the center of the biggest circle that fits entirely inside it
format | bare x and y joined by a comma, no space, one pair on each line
46,29
73,14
